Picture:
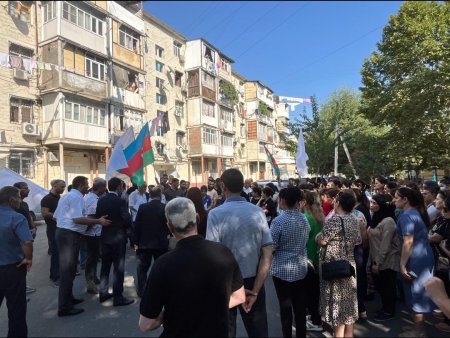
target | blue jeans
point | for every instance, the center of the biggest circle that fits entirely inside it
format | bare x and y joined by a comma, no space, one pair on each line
255,321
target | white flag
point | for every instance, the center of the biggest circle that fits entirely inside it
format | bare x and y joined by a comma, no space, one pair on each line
118,160
302,156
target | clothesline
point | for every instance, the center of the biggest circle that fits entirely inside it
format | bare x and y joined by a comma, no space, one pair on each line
28,64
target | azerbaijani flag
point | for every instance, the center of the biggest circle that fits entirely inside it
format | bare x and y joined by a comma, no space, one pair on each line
139,154
273,162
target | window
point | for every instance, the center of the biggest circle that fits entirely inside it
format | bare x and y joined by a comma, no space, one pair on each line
20,10
159,83
180,139
179,108
262,131
159,51
49,10
159,131
176,48
207,80
209,136
84,113
21,110
22,162
261,148
18,55
209,54
159,66
128,39
160,148
226,115
225,66
208,109
178,77
81,18
161,99
227,140
95,67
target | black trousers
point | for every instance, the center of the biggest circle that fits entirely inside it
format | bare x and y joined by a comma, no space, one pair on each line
291,296
313,295
361,277
68,243
144,261
12,287
54,258
113,254
386,283
93,253
255,321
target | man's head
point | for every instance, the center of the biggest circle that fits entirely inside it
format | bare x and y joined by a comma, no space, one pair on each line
10,196
164,179
183,185
115,185
181,216
58,186
23,188
175,183
211,183
99,186
170,179
247,183
155,193
81,184
334,183
430,190
233,181
143,188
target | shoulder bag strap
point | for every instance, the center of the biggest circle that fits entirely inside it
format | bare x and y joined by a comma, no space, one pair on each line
345,237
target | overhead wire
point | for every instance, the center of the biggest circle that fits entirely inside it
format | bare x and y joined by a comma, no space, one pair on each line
226,18
201,17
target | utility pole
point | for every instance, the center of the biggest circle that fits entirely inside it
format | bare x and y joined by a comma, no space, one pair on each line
348,156
336,151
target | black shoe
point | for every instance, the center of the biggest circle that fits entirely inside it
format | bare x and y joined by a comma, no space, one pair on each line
76,301
71,312
96,280
103,297
123,301
382,317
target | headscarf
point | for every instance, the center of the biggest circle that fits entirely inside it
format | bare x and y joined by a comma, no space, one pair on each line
386,209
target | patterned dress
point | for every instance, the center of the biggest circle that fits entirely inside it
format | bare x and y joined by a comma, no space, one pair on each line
338,299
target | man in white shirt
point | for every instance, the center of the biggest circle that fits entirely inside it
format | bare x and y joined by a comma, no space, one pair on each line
72,223
248,186
136,198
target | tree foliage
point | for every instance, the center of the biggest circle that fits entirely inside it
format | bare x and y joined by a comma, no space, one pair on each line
406,85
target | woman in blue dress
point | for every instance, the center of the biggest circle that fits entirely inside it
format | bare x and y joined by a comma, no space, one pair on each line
417,260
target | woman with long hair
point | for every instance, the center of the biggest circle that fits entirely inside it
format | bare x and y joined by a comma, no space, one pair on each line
384,257
340,234
314,215
267,204
195,195
417,259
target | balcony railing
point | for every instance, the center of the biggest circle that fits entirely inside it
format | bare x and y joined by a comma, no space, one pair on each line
127,98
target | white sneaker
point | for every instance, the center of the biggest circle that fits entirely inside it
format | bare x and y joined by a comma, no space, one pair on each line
311,327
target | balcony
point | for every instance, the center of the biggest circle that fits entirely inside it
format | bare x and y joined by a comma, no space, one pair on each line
224,101
226,151
127,98
83,85
74,133
227,126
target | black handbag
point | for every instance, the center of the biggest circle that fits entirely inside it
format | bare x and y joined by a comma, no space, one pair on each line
338,269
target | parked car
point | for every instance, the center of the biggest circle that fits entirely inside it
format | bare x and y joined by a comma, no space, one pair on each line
280,185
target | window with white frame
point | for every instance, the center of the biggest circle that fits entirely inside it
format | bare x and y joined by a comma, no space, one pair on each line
95,67
84,113
159,83
262,131
176,48
227,140
225,66
207,80
48,10
209,136
22,162
159,66
159,130
161,99
159,51
83,19
21,110
125,118
18,54
179,108
208,109
128,39
262,148
226,115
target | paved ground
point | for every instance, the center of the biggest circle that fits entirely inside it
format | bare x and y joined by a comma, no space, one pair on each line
104,320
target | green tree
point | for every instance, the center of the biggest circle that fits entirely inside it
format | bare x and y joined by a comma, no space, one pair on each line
406,85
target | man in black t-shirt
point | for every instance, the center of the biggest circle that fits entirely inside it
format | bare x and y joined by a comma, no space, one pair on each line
196,283
48,206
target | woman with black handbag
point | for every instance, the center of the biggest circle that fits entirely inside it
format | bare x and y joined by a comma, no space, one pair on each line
338,295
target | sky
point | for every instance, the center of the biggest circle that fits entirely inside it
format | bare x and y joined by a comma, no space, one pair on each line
296,48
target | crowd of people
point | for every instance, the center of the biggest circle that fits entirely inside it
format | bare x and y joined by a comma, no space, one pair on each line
206,252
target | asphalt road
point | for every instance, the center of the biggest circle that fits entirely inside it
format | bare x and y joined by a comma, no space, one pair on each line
104,320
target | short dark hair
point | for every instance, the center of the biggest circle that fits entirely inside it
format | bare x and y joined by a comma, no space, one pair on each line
78,181
8,192
19,185
155,192
233,180
268,191
257,190
175,180
346,200
291,195
203,188
431,186
114,183
381,179
336,181
182,181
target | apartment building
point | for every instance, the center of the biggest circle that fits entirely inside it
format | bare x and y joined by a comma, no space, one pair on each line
285,159
165,98
19,102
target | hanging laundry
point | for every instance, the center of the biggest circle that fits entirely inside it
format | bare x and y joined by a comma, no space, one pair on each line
15,61
27,65
34,64
48,66
155,125
4,60
40,65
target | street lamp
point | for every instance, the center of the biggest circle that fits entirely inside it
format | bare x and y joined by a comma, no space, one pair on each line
434,171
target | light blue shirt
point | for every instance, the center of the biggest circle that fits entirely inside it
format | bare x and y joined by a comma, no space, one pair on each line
71,206
90,201
14,232
242,227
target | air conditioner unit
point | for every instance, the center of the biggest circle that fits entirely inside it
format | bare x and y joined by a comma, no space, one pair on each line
29,129
20,74
182,59
52,157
